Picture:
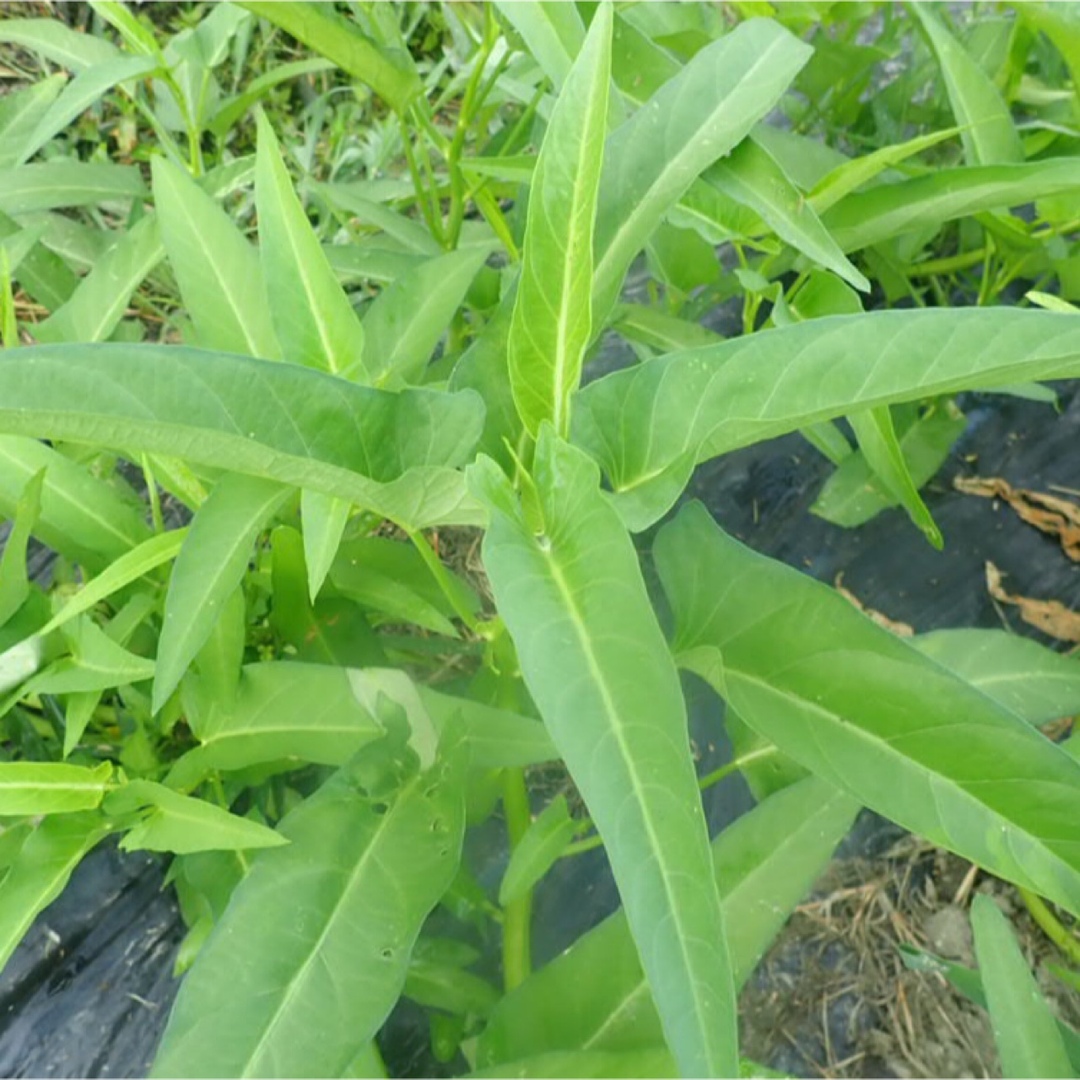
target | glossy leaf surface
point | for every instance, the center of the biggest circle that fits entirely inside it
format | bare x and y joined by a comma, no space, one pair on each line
593,657
867,712
30,787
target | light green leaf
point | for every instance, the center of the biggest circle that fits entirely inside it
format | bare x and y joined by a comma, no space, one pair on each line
751,177
182,825
314,947
411,234
705,402
869,713
882,452
97,663
315,322
79,95
660,331
82,517
210,566
129,567
26,188
1025,1030
58,42
14,581
595,662
544,841
407,319
553,33
230,112
1033,681
594,996
99,302
846,177
388,71
30,787
20,112
986,128
865,218
324,519
41,870
218,271
852,495
390,453
552,320
690,122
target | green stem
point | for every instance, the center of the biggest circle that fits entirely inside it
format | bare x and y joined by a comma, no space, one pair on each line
442,577
517,915
1051,925
155,498
434,224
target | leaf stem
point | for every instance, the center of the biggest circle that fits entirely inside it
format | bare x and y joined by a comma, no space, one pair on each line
442,577
517,915
1051,925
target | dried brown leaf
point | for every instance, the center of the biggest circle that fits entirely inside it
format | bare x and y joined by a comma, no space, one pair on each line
901,629
1047,513
1050,616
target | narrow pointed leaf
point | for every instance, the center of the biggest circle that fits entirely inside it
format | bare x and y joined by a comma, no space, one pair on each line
208,569
14,580
30,787
218,271
20,113
552,318
595,997
543,842
324,519
97,663
26,188
751,177
314,947
181,825
1025,1030
987,130
41,870
705,402
59,42
82,516
407,319
99,302
315,322
390,453
595,662
554,34
869,713
690,122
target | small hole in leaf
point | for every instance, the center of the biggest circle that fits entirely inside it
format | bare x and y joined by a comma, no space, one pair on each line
437,825
380,808
387,954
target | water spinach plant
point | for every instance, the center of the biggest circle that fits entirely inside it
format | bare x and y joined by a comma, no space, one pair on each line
273,673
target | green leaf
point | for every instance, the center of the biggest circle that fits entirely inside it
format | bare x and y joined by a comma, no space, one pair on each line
314,947
98,663
14,581
324,519
390,453
181,825
653,1061
690,122
660,331
869,713
129,567
552,320
594,996
705,402
29,787
82,517
407,319
986,128
98,304
1025,1030
865,218
852,495
230,112
20,112
79,95
882,452
388,71
210,566
26,188
751,177
282,710
543,842
553,33
314,320
218,271
1033,681
41,870
596,664
58,42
